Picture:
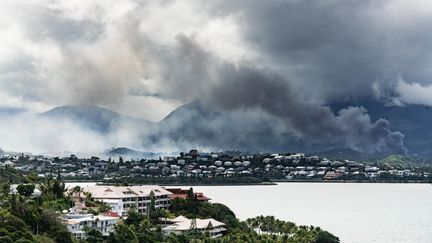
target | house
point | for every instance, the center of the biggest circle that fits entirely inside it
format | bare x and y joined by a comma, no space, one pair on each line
168,158
246,163
76,224
182,193
331,175
182,225
7,164
237,163
116,205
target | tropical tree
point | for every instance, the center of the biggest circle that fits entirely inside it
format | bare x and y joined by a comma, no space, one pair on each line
25,189
93,235
147,232
134,218
121,233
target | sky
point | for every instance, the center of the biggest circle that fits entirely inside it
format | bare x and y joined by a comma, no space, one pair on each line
283,57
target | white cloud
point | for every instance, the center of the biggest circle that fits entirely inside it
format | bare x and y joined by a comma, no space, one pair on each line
414,93
153,108
93,52
30,134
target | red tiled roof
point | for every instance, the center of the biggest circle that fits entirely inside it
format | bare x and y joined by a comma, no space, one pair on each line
199,196
112,214
182,193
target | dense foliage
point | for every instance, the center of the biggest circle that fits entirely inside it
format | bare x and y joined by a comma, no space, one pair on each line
10,175
192,208
25,218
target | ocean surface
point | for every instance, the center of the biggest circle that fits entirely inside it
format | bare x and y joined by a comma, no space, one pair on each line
354,212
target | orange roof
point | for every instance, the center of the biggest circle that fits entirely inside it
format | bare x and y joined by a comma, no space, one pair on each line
199,196
112,214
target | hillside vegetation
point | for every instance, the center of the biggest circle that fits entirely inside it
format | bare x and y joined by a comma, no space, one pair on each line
404,161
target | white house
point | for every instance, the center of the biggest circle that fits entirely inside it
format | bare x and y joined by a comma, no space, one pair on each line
116,205
7,163
76,224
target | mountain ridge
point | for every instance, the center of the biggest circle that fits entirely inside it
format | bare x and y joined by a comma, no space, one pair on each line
198,124
97,118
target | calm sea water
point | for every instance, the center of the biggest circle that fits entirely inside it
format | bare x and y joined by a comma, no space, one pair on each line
354,212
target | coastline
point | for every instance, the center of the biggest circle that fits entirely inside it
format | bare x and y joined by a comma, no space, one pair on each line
353,181
271,183
176,184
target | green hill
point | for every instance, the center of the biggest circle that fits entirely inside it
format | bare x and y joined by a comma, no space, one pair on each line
403,161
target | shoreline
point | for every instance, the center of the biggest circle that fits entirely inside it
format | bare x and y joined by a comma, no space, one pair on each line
271,183
177,184
352,181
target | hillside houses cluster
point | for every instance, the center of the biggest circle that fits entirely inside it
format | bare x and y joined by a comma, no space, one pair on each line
287,166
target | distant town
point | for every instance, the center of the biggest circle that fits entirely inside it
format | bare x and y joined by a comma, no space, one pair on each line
195,167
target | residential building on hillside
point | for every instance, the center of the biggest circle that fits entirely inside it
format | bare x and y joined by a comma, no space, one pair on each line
36,191
76,224
116,205
183,194
182,225
123,198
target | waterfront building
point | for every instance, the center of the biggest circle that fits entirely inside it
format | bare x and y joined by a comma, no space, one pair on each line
183,194
123,198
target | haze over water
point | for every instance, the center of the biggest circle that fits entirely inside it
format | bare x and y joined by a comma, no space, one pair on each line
354,212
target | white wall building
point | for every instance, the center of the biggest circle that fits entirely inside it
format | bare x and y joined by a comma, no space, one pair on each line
131,197
76,224
115,204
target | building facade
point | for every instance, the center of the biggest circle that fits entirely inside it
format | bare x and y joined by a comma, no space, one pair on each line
123,198
181,225
77,223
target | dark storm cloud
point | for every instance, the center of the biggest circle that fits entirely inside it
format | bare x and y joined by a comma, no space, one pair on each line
247,87
337,49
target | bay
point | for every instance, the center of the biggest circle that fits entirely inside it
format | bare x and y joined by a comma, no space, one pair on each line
355,212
